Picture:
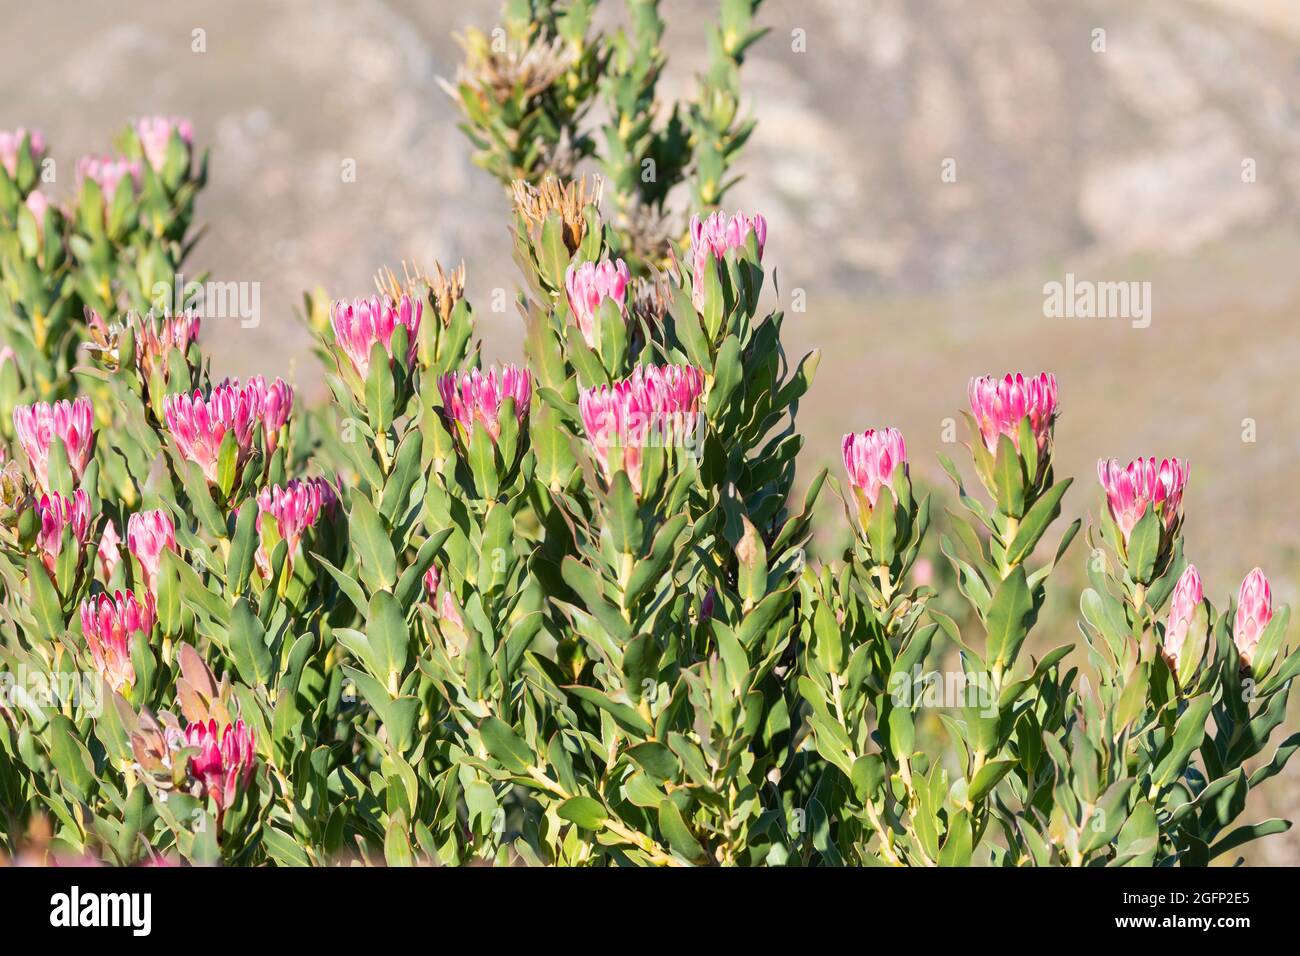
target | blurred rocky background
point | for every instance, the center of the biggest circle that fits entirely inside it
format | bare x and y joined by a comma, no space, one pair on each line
926,167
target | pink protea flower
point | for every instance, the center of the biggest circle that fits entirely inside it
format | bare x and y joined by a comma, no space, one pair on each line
155,133
363,322
108,172
156,336
446,608
199,424
591,283
1254,611
109,624
1145,482
714,235
37,204
476,396
870,459
276,407
225,762
57,513
12,142
658,404
295,507
148,535
999,404
1187,596
72,422
109,553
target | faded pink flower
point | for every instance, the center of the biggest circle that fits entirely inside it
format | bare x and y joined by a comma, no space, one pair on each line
37,204
108,172
714,235
57,513
199,424
155,133
225,762
476,396
1145,483
110,551
71,422
655,404
446,608
1254,611
156,336
870,459
363,322
999,404
148,535
11,143
276,407
1187,596
591,283
108,624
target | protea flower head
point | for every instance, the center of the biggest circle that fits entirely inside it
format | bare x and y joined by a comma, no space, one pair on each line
1187,596
56,513
199,423
1144,483
109,625
446,607
225,762
476,396
148,535
999,405
714,235
655,404
11,141
358,325
72,422
156,336
589,284
1254,611
276,406
155,133
108,172
870,460
109,553
37,204
295,506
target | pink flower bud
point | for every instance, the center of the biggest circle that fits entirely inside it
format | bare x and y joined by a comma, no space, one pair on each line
109,624
72,422
12,142
999,404
295,507
275,411
110,551
1145,482
155,337
1187,596
588,285
37,203
871,458
225,762
148,535
714,235
363,322
657,405
56,513
199,424
155,133
446,608
432,579
476,396
1254,611
107,172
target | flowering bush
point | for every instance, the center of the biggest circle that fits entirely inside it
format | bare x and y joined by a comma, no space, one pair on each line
562,613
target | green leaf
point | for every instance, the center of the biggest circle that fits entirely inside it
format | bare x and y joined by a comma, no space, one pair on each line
584,811
378,560
1144,547
1011,615
681,840
1009,478
247,639
1044,511
389,636
243,547
987,777
505,746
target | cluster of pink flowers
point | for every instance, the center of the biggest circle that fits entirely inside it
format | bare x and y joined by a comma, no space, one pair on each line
108,624
56,513
871,458
1144,483
155,134
359,324
446,608
225,762
199,424
148,535
108,172
12,141
71,422
999,405
714,235
295,506
1188,594
591,283
655,404
1254,611
476,396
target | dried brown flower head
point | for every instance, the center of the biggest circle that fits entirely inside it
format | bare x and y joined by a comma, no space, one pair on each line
442,290
570,199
